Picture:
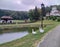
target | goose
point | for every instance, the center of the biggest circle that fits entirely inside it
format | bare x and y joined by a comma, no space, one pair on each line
33,32
41,30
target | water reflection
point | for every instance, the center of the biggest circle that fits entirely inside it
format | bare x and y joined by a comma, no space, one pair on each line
7,37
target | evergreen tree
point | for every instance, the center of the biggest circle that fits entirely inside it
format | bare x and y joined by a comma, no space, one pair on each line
34,14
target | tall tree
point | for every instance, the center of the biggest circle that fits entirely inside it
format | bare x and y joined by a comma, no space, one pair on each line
34,14
48,9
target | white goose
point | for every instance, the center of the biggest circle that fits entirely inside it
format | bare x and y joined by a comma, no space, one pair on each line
33,32
41,30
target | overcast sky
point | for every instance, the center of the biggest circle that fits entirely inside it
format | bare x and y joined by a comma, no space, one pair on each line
25,5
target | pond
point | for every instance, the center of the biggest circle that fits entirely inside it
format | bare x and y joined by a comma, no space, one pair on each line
7,37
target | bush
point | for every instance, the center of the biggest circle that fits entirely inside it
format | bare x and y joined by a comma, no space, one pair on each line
58,19
50,17
54,18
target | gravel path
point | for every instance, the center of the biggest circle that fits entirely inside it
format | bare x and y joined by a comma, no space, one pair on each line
52,39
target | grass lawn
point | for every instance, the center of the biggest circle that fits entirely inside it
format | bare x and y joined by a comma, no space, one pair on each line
31,40
36,24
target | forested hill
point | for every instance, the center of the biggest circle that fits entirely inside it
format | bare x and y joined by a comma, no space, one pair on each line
18,15
15,14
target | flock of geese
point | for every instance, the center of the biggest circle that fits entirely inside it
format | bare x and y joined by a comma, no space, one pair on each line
40,29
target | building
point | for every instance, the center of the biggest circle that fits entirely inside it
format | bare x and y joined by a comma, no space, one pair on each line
54,12
6,19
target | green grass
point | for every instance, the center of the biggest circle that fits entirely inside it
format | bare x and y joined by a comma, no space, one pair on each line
23,27
30,40
36,24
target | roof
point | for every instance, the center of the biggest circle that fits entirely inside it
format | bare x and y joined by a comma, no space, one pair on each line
9,17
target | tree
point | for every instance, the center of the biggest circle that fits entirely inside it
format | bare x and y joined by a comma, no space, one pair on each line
17,15
34,14
31,14
48,9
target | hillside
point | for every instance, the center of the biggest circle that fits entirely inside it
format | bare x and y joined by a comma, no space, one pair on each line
15,14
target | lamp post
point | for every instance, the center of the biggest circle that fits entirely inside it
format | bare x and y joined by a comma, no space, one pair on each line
42,15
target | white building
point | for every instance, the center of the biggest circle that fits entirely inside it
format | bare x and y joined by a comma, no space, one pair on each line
54,12
6,19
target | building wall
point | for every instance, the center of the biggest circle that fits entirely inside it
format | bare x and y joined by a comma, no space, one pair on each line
3,21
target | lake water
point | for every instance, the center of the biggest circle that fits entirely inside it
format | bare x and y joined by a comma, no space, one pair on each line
7,37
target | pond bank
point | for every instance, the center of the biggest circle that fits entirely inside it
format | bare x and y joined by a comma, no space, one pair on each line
7,30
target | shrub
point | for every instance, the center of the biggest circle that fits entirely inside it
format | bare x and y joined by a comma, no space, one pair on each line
58,19
54,18
50,17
